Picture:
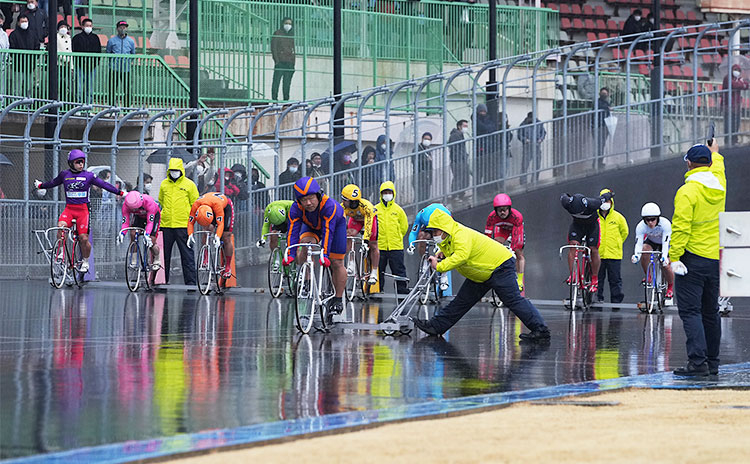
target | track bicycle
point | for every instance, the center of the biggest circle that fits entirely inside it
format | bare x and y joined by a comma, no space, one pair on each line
138,261
579,281
431,290
210,263
64,255
314,288
277,272
357,273
654,287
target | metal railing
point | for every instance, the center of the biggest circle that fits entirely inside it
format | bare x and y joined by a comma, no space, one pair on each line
383,142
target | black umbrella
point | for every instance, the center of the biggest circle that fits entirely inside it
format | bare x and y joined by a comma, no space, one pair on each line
161,155
4,160
347,146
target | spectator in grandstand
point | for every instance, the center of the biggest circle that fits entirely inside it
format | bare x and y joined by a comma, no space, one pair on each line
318,168
240,180
147,183
422,162
66,62
733,113
292,174
7,9
459,155
119,68
633,24
604,113
260,199
3,39
282,51
531,136
86,42
486,144
177,194
202,170
37,18
370,177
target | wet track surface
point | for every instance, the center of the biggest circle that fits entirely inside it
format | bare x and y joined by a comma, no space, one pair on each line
100,365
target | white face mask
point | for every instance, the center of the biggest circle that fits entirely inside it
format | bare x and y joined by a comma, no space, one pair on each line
88,29
387,197
465,130
174,174
287,27
426,142
63,31
438,238
24,26
606,206
736,74
200,170
293,169
31,6
637,18
147,187
382,147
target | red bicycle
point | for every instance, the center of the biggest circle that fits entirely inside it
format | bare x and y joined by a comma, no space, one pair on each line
64,255
579,281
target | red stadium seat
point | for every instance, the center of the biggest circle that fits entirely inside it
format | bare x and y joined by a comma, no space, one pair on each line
564,9
170,60
590,25
601,25
612,26
183,61
676,71
680,16
692,17
577,24
588,11
687,71
575,9
603,36
643,69
565,24
591,36
599,11
669,15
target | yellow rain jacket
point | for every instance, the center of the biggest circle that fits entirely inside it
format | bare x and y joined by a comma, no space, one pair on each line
473,254
176,197
614,231
392,221
697,204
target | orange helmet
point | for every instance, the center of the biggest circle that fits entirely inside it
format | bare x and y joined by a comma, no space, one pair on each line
204,215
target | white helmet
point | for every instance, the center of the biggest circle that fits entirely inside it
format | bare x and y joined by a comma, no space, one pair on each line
650,210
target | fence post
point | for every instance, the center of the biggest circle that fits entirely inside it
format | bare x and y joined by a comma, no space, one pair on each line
142,142
660,115
702,33
645,35
570,55
597,135
542,59
502,126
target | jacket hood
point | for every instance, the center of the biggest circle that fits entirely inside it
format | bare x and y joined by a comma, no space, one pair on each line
606,190
240,168
439,219
481,107
714,192
229,171
387,185
176,163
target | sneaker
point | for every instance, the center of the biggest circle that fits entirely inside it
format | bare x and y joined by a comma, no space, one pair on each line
691,370
133,262
444,283
335,306
425,326
373,279
156,265
594,286
84,267
227,272
670,293
536,335
567,281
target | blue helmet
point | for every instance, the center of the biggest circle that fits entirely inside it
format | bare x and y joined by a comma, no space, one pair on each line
306,186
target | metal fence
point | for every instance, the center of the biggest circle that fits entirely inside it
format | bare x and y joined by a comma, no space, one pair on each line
526,138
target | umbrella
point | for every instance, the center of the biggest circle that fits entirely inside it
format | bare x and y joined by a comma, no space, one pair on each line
161,155
347,146
4,160
741,60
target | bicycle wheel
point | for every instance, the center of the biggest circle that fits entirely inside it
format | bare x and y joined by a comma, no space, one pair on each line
221,263
132,267
327,292
662,288
149,276
290,276
650,288
352,279
275,273
203,270
58,264
367,270
586,293
573,287
424,266
304,304
77,260
435,286
495,299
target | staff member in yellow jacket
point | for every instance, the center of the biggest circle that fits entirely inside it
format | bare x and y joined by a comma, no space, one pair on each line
614,231
486,264
393,225
694,253
177,194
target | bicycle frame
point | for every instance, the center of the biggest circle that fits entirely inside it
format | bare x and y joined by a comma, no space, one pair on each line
581,258
286,273
214,253
430,248
359,251
143,252
654,287
70,235
316,284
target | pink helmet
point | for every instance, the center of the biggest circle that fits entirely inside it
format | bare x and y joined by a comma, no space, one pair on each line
133,200
501,199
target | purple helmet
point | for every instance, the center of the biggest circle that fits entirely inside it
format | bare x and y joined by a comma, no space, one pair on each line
75,154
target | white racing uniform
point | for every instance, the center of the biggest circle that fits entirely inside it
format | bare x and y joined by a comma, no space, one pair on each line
658,235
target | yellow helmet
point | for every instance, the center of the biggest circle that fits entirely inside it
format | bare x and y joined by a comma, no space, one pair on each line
351,192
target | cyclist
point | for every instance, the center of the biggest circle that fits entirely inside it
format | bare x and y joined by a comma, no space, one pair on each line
419,232
505,224
276,219
316,218
146,214
363,217
585,229
77,182
653,234
215,213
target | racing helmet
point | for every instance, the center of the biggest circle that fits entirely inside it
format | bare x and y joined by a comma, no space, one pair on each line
277,216
74,155
501,199
351,192
650,210
204,215
306,186
133,200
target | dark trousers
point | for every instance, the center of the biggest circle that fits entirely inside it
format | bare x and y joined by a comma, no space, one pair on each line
697,295
395,259
611,268
186,254
282,71
503,281
119,80
532,158
735,126
603,134
6,8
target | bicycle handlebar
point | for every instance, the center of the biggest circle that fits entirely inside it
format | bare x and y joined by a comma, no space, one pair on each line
428,242
274,234
574,247
306,245
650,252
136,229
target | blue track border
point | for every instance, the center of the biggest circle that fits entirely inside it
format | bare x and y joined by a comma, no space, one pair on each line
254,434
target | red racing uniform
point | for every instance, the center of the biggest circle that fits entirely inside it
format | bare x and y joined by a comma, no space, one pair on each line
510,227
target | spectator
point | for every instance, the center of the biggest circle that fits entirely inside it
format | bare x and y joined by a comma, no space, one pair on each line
370,177
486,145
392,226
7,9
308,166
282,50
37,22
230,189
292,174
459,156
240,180
81,11
422,160
177,194
260,199
381,154
22,38
532,146
633,24
604,113
202,170
4,44
614,231
119,68
147,182
65,62
732,116
649,24
86,42
318,169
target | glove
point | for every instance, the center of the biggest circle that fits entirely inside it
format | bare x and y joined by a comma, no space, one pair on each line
190,241
410,250
679,268
37,183
149,243
120,237
260,243
324,261
664,260
287,260
123,193
217,240
634,259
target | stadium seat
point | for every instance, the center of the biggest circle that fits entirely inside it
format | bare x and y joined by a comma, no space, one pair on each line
589,24
575,10
564,9
591,36
183,61
577,24
565,24
603,36
599,11
601,25
170,60
588,11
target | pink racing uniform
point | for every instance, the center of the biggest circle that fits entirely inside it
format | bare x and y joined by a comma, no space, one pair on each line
512,226
147,216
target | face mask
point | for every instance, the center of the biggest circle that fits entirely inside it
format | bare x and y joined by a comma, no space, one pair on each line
736,74
606,206
438,238
63,31
227,180
293,169
316,164
637,18
174,174
238,176
382,147
31,6
122,32
604,97
88,29
651,20
24,26
147,187
348,158
287,27
426,142
465,130
388,197
200,170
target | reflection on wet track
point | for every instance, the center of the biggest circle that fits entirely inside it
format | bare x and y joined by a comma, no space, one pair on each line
100,365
